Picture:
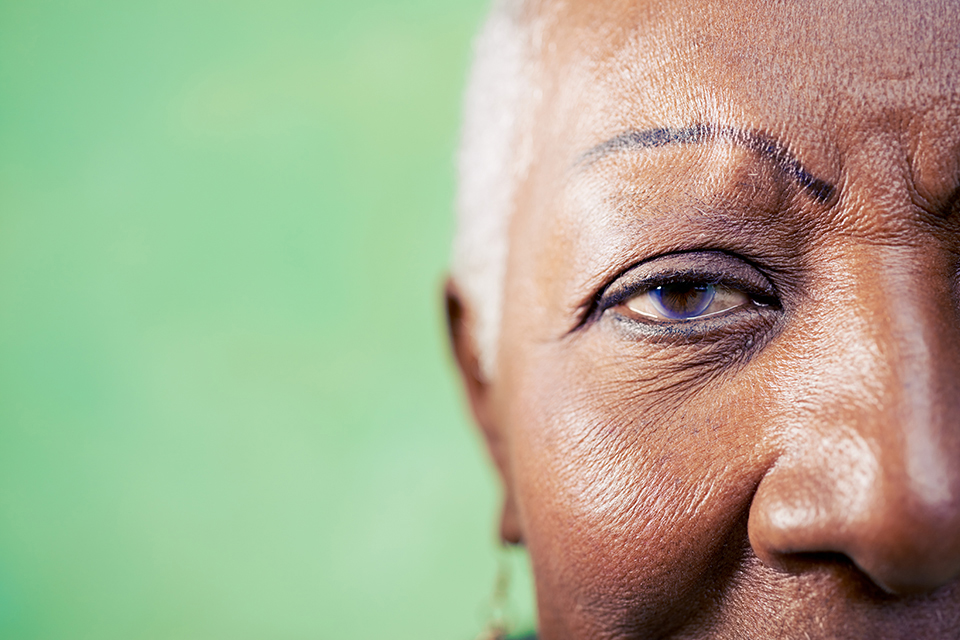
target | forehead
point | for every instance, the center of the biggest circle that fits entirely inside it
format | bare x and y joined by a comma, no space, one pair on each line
822,67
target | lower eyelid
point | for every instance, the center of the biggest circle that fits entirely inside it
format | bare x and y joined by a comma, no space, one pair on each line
745,323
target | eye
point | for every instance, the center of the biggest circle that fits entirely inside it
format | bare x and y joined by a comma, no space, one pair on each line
687,287
686,301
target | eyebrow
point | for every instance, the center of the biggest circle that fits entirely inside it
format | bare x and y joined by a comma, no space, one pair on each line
821,190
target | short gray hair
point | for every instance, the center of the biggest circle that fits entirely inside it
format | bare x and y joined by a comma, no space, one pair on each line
493,158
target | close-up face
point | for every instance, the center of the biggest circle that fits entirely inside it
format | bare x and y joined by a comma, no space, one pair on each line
726,400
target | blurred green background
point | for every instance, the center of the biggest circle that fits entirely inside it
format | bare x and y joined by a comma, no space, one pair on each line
226,405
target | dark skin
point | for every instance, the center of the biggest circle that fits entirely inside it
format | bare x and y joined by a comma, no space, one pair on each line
783,462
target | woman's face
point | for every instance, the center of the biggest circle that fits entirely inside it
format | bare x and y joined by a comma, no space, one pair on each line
728,393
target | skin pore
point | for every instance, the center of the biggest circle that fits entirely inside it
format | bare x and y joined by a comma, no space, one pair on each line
727,395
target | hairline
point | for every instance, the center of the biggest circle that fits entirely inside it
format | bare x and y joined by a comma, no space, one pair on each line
492,159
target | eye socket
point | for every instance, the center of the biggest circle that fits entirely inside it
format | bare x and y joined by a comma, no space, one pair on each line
686,301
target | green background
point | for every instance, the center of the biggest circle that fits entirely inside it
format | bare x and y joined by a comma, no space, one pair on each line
226,405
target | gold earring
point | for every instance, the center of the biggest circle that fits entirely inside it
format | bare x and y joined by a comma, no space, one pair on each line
498,623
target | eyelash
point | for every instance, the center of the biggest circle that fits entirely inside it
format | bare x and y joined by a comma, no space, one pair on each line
608,300
605,301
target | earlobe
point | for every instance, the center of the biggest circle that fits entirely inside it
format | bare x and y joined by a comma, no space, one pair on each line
509,522
461,328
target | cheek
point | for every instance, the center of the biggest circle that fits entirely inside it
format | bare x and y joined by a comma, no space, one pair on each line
633,485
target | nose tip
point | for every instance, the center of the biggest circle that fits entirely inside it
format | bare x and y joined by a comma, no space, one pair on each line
902,541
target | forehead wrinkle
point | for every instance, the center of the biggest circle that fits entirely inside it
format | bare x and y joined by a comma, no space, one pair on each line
821,190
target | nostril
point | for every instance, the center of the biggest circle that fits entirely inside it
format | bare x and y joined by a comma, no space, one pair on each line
802,562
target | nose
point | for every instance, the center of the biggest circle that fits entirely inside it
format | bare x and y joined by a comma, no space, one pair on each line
870,458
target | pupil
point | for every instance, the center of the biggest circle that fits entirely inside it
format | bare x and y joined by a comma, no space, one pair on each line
683,300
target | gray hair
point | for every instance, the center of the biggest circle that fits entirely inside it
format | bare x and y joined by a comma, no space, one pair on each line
493,158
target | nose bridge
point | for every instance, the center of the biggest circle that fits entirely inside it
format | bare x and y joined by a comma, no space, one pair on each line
874,469
905,341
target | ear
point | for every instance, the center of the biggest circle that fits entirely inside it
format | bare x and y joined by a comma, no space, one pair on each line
461,324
